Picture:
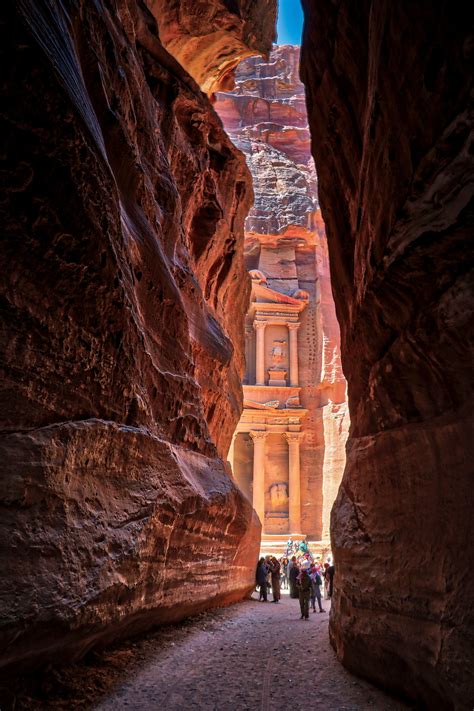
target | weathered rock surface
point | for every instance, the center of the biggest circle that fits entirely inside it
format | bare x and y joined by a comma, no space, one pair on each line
210,37
388,88
285,240
123,296
265,115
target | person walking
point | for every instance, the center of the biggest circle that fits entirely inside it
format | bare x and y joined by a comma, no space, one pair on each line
293,574
269,573
284,574
326,581
261,578
330,574
304,591
291,563
275,571
316,583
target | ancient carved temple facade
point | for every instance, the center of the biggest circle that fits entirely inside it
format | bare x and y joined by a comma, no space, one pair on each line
288,451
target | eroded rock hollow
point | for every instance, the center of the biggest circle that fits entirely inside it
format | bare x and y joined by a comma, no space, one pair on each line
388,100
123,297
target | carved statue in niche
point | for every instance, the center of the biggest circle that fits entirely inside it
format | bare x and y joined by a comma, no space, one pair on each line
278,353
279,496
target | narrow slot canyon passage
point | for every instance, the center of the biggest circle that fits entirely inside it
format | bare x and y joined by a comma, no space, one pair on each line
236,326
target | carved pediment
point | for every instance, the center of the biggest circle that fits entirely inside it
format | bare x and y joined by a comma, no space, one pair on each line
252,405
261,293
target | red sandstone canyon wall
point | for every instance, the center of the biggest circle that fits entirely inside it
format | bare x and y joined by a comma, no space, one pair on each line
210,38
388,88
265,115
123,297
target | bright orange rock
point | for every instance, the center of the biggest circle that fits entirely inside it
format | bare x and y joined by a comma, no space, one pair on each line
210,38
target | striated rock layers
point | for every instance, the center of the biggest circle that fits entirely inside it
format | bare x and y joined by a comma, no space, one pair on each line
285,242
210,37
388,88
123,297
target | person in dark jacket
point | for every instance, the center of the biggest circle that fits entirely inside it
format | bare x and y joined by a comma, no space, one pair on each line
275,571
316,583
294,572
304,592
326,581
330,574
261,578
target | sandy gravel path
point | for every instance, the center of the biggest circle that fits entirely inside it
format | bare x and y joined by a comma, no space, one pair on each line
249,656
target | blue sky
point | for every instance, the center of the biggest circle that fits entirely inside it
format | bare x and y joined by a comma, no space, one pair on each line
290,22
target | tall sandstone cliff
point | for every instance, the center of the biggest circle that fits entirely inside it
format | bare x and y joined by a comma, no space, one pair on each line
388,97
123,296
265,115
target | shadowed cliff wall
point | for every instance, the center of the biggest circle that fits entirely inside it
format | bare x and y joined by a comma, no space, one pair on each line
123,295
388,97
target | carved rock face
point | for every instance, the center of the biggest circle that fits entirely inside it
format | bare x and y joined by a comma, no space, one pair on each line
286,253
279,497
124,294
387,87
278,353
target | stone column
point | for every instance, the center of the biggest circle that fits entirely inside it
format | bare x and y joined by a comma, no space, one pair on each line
294,484
248,339
230,453
259,474
293,329
259,327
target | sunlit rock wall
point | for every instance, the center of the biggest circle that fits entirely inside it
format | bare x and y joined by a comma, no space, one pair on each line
266,118
388,88
123,296
210,38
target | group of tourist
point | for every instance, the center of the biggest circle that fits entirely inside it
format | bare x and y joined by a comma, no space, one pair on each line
304,577
269,576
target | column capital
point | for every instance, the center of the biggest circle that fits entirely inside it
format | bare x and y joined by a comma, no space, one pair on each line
258,434
293,437
259,324
292,326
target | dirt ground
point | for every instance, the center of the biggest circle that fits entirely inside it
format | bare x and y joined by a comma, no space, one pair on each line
251,655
